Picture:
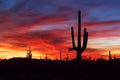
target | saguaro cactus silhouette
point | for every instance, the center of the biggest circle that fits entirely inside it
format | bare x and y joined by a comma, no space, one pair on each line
114,56
110,56
46,57
60,55
78,48
67,58
29,53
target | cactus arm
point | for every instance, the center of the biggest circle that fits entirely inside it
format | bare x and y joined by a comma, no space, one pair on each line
72,34
70,49
85,39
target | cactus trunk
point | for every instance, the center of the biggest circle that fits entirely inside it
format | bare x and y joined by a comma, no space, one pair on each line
78,55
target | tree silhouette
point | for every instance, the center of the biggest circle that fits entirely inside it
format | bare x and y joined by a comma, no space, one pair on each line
79,49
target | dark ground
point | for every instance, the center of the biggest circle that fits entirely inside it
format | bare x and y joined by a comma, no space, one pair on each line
25,69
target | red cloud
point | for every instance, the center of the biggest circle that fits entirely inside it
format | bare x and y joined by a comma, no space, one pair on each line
49,41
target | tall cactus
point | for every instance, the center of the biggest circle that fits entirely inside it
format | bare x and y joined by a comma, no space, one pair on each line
60,55
79,49
46,57
110,56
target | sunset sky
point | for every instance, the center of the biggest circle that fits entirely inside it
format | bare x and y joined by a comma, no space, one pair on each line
45,26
